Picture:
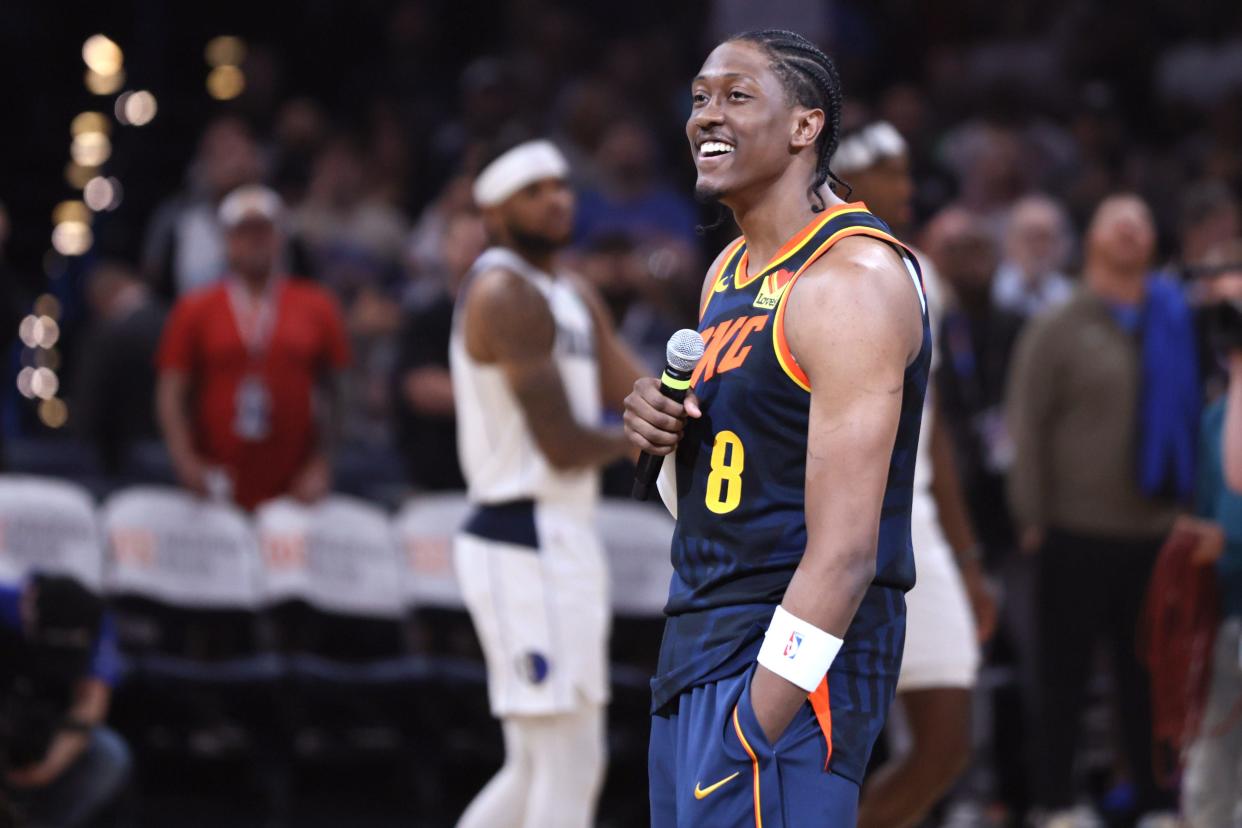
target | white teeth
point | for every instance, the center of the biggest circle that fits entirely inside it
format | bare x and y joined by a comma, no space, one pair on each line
715,148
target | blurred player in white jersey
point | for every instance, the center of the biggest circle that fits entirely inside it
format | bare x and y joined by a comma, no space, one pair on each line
535,359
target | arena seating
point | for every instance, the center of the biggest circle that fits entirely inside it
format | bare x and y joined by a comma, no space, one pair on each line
311,636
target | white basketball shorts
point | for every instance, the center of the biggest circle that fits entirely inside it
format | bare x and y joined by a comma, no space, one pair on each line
534,579
941,646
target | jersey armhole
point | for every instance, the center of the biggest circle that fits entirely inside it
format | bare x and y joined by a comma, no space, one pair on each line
784,355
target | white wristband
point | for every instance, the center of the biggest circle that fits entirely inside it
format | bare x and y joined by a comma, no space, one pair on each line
798,651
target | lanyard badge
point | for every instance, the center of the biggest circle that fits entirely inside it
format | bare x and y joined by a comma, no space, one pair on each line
252,417
252,420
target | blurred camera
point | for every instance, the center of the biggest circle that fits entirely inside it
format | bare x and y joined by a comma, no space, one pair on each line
27,727
1224,321
1221,303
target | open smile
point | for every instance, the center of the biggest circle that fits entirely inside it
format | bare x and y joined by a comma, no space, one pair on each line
712,152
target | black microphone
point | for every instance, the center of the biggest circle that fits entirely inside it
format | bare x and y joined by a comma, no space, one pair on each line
685,349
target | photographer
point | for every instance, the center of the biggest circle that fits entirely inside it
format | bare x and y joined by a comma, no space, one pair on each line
61,766
1212,790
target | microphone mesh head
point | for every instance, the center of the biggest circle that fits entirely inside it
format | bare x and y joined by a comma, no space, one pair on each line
684,350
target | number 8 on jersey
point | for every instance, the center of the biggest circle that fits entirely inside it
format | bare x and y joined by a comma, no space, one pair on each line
724,484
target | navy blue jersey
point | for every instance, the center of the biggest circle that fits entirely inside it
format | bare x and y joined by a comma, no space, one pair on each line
741,475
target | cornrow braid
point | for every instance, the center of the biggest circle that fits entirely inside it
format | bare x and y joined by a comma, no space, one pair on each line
810,78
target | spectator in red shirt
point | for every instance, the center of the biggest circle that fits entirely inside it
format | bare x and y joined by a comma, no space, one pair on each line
239,366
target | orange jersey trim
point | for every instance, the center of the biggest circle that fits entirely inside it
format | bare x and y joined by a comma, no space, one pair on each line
754,763
823,714
799,240
720,274
783,354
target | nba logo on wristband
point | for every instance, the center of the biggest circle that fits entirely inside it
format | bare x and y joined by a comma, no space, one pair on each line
797,650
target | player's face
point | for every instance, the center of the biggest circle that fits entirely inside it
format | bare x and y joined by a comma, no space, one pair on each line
740,123
540,214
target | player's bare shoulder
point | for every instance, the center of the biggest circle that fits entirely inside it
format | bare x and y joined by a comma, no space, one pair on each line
505,312
864,284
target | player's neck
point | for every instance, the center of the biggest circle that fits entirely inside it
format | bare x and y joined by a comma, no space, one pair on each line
541,260
775,217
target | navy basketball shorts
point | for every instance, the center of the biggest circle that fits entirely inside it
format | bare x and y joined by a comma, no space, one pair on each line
711,766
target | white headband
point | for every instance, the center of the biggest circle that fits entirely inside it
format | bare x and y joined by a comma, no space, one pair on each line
519,167
867,146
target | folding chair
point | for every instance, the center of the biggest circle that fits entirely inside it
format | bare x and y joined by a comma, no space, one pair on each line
330,579
182,573
49,526
637,539
456,716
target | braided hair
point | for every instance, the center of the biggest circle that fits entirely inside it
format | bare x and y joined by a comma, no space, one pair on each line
810,79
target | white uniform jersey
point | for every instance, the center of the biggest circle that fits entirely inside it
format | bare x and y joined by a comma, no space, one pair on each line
935,312
499,455
941,648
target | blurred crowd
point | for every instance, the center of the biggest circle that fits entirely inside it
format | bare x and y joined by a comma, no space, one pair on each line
1071,174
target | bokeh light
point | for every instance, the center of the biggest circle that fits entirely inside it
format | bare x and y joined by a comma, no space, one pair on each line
103,84
90,122
90,149
72,238
225,50
53,413
77,176
47,332
102,55
47,305
24,379
225,83
44,383
26,331
136,108
39,331
70,211
102,193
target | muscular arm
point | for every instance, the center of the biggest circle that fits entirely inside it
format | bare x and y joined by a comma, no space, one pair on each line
854,324
508,323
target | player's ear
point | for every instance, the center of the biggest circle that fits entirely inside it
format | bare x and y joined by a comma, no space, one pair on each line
808,123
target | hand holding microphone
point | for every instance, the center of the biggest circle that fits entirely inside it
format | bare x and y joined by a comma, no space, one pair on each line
655,411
